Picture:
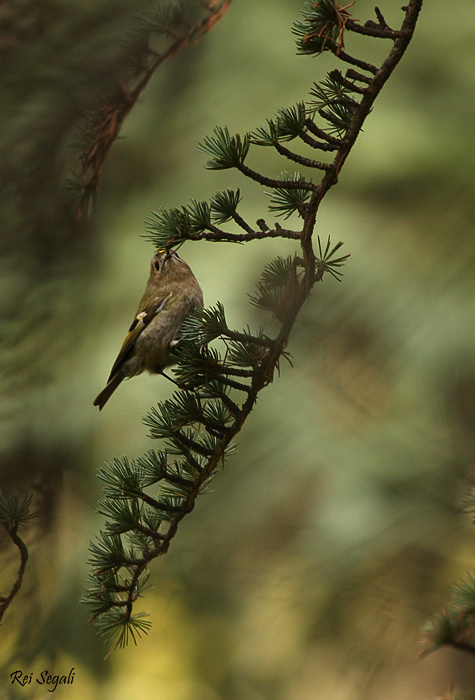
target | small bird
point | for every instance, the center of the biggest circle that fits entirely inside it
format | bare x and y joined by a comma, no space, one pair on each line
171,295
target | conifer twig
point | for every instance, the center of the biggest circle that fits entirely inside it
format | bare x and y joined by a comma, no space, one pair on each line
14,513
200,422
22,548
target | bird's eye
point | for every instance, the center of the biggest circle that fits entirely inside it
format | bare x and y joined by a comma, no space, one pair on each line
156,265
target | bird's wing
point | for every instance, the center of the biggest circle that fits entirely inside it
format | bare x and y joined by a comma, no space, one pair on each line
140,322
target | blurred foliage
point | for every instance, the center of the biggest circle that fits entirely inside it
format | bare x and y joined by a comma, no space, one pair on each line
335,530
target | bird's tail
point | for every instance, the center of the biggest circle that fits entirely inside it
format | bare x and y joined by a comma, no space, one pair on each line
105,394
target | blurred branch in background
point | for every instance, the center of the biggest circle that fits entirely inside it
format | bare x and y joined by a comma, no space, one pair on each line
455,625
14,513
169,24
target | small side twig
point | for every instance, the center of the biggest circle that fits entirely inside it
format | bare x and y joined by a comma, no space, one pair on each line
18,542
275,184
220,236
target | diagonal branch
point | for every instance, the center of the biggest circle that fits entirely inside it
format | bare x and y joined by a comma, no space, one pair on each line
302,274
105,122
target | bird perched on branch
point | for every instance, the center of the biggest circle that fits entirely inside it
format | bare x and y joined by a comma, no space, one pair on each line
171,295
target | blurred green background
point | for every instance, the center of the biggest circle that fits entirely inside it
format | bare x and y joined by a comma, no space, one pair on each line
336,529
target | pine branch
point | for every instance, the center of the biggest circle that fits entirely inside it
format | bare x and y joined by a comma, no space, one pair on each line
301,160
253,235
14,513
318,144
199,423
345,83
331,140
270,182
342,55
